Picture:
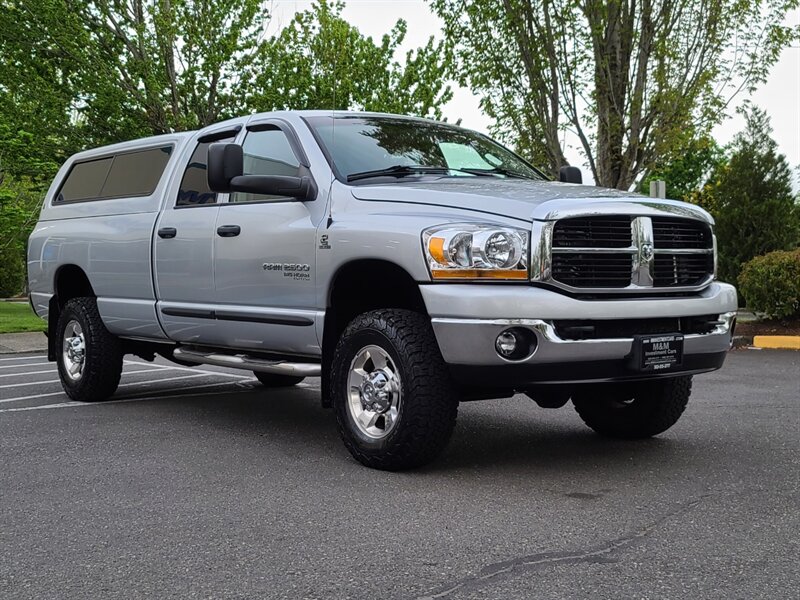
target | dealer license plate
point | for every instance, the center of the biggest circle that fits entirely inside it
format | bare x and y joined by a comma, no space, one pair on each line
656,353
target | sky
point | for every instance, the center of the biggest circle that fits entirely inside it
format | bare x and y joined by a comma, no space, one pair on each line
779,96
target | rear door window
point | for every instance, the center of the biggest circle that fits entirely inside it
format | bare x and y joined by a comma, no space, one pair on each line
136,173
85,180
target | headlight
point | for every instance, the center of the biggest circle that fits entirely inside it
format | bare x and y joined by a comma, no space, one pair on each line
468,251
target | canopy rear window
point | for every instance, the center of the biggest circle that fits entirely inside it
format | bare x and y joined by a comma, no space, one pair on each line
123,175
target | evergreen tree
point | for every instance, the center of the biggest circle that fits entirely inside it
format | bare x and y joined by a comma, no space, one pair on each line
756,210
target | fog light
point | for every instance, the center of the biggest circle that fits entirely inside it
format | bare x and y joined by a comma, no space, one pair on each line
516,343
506,344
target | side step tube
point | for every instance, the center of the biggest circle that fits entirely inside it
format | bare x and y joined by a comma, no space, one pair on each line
249,363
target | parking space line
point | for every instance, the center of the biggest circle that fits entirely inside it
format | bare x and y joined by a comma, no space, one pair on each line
27,373
21,358
13,385
54,368
39,364
193,370
117,401
191,387
59,405
149,364
160,380
20,398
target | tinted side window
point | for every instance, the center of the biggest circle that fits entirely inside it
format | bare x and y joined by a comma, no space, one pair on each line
123,175
267,152
85,180
194,188
136,173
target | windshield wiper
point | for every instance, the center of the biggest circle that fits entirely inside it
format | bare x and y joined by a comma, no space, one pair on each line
495,171
398,171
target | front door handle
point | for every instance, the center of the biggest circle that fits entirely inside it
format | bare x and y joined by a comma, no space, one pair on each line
167,232
228,230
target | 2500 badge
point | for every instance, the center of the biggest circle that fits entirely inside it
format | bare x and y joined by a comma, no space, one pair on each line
292,270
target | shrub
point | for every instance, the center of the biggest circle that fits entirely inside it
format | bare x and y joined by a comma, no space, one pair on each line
771,284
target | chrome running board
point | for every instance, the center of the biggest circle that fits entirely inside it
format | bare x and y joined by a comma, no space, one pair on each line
249,363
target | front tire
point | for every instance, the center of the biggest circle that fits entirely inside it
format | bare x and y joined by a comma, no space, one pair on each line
89,357
395,405
634,410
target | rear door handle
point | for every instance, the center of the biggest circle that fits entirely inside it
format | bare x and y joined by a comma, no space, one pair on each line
167,232
228,230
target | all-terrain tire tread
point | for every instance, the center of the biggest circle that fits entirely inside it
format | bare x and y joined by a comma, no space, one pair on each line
430,403
103,364
658,407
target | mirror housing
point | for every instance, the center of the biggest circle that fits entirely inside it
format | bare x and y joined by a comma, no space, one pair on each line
225,161
225,174
570,175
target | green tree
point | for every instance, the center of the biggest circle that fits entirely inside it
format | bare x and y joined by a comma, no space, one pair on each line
321,61
19,208
36,93
754,206
110,70
131,67
688,169
628,77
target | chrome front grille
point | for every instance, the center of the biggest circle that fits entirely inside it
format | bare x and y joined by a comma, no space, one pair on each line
597,232
613,253
681,233
681,269
593,270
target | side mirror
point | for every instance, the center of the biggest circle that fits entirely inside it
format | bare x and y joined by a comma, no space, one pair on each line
225,174
225,161
570,175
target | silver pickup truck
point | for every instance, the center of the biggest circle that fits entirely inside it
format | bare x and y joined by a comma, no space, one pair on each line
409,263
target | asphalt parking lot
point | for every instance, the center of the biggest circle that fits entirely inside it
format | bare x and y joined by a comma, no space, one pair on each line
203,484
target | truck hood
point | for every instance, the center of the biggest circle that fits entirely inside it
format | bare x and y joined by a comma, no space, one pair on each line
519,199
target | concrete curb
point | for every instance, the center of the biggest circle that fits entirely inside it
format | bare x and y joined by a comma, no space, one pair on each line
12,343
767,342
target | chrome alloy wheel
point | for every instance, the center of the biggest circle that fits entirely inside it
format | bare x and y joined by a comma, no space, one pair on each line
374,392
74,350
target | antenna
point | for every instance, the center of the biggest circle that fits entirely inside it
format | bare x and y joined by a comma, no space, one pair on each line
333,135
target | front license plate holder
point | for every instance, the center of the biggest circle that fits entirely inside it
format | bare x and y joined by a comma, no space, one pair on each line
656,353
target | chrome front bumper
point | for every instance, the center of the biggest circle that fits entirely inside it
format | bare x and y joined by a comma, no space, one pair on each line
468,318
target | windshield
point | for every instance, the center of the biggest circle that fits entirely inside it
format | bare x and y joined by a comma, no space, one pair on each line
366,147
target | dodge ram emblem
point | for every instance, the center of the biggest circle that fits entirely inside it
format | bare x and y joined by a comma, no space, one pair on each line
647,251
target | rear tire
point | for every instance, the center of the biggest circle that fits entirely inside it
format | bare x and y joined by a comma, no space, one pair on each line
394,402
634,410
89,357
272,380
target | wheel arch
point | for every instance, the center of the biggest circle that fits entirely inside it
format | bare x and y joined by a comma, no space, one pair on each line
70,281
357,287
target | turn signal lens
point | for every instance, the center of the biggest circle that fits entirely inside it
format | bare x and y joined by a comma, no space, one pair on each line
472,251
436,248
478,274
